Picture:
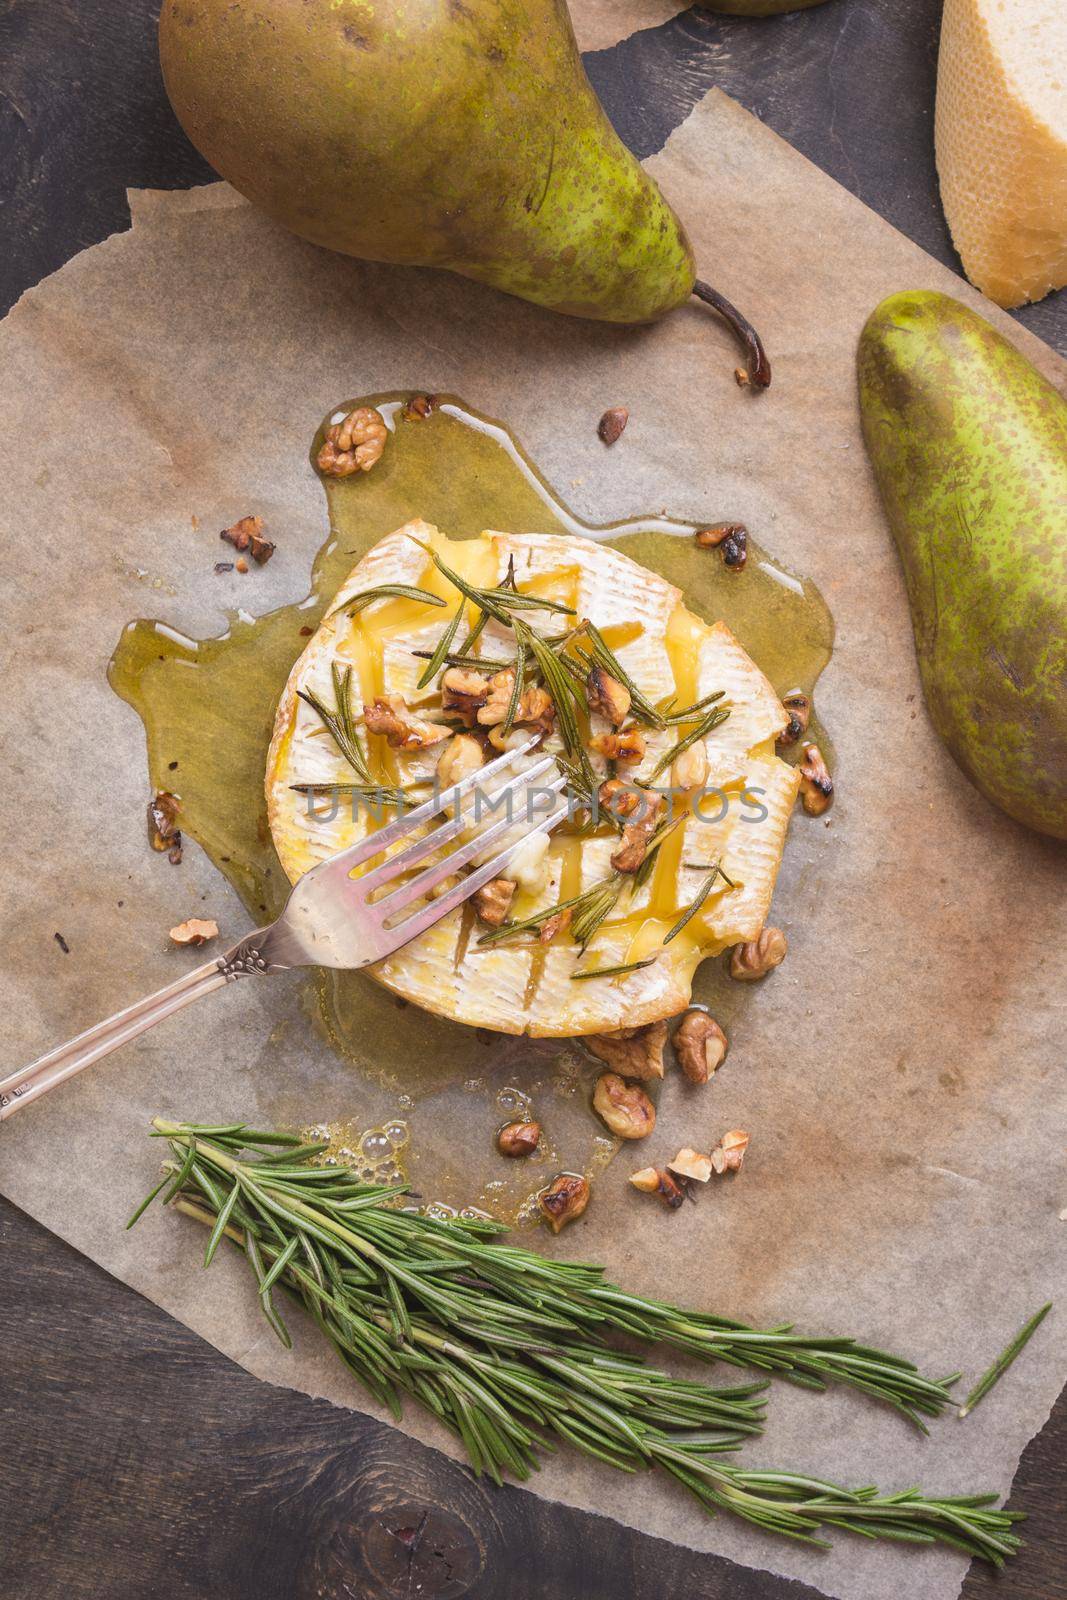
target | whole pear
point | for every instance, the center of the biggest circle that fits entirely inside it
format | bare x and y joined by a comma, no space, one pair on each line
445,133
758,8
969,446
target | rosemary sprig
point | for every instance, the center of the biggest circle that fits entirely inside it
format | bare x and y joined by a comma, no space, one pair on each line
588,911
647,867
340,722
505,1346
515,698
713,719
386,591
601,653
672,718
559,687
374,794
1004,1360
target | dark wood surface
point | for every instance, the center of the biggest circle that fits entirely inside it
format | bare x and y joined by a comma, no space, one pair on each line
134,1459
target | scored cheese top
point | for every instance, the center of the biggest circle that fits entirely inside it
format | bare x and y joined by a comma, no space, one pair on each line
1001,132
667,652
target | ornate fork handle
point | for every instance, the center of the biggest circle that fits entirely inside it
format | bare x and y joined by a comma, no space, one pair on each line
245,959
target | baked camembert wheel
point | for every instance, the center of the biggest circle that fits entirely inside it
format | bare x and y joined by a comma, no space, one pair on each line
660,715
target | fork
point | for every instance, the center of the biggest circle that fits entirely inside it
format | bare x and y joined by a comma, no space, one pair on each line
330,918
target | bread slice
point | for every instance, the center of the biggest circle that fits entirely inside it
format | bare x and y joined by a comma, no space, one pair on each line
1001,132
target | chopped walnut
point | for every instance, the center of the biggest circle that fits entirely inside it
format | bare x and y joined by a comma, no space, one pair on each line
612,423
691,1164
730,538
517,1139
461,756
244,530
607,696
197,930
493,902
816,784
353,444
553,925
636,1052
797,707
636,835
626,748
621,799
759,956
729,1153
401,727
689,769
464,691
535,708
650,1180
700,1045
565,1199
420,406
625,1107
164,835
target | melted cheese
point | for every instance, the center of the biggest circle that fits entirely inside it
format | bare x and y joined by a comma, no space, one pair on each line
669,652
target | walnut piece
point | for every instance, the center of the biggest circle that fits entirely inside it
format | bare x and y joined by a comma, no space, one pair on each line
493,901
464,691
729,1153
816,784
164,835
612,423
565,1199
197,930
461,756
247,534
730,538
517,1139
535,708
354,444
626,748
625,1107
635,1052
650,1180
759,956
553,925
689,769
637,833
419,407
700,1045
620,798
401,727
797,707
691,1164
607,696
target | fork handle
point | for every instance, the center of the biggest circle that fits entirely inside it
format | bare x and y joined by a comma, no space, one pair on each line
19,1088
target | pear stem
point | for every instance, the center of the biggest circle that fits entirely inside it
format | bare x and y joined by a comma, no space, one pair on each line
759,367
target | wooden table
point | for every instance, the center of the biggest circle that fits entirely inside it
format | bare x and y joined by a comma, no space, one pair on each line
134,1459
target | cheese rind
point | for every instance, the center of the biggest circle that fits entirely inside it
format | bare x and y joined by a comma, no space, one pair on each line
670,653
1001,137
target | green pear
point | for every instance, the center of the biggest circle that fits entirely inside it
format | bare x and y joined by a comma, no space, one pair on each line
440,133
758,8
969,446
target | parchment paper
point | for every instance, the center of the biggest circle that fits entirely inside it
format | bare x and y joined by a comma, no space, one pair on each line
900,1076
598,24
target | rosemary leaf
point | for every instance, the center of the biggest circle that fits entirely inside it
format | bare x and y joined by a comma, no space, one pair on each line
695,904
1004,1360
386,591
444,644
613,972
340,723
515,697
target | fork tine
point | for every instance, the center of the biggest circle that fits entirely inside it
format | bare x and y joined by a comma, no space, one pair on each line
435,874
366,849
419,921
406,859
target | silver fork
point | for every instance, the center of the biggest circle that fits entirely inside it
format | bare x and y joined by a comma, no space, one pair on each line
330,919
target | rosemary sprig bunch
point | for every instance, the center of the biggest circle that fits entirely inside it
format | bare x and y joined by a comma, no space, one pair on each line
340,722
505,1346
